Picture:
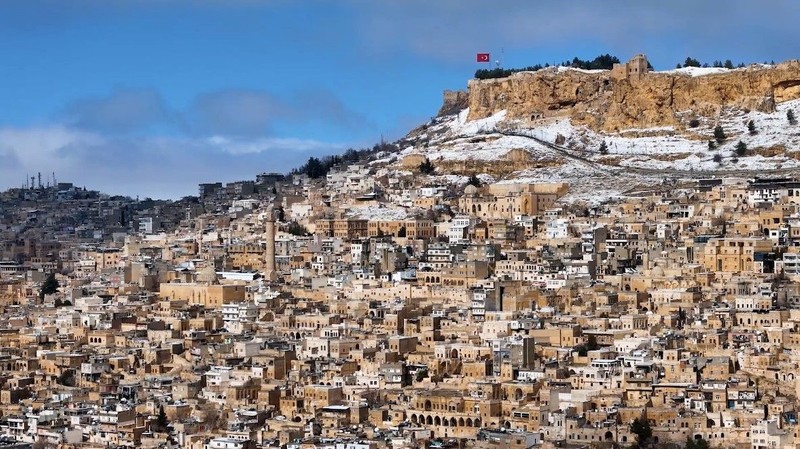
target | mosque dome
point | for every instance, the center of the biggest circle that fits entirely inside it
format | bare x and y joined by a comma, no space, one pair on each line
208,275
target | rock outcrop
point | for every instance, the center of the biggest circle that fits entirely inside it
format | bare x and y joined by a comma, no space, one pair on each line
453,101
603,102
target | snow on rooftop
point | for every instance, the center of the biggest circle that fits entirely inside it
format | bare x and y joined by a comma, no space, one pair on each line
377,213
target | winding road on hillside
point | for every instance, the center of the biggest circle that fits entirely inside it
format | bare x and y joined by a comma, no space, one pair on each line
691,174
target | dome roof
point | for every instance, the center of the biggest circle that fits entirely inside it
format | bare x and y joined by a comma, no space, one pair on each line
208,275
470,190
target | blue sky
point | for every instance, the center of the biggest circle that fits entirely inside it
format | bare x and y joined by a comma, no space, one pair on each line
152,97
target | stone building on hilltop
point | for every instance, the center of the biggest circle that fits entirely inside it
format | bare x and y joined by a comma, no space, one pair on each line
635,68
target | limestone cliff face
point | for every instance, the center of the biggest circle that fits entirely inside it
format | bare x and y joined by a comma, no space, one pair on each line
603,102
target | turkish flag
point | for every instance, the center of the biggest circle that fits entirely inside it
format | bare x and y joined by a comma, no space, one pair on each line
482,57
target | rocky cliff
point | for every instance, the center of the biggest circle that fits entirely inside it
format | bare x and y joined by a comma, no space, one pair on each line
656,99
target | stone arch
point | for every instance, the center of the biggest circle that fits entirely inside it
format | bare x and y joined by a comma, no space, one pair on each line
453,422
429,420
518,394
608,436
427,405
477,422
460,422
469,422
437,421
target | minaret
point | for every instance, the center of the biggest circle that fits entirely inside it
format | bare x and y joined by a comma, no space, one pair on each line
200,225
269,253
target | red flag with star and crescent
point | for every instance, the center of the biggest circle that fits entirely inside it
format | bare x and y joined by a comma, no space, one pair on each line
482,57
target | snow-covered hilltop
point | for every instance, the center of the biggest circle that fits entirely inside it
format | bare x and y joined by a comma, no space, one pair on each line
563,134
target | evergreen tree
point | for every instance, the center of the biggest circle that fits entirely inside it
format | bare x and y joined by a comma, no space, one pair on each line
474,181
751,128
741,148
719,134
351,155
728,64
296,228
712,145
66,378
717,158
691,62
641,428
603,148
314,168
426,167
790,117
49,286
161,420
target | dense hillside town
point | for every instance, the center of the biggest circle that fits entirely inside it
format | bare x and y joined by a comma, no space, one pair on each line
254,224
366,311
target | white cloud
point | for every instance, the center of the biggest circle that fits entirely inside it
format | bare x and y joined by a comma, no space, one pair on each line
156,166
37,147
268,144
